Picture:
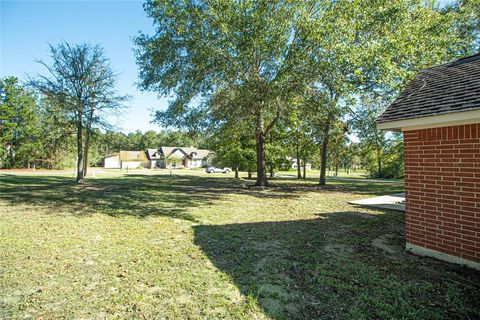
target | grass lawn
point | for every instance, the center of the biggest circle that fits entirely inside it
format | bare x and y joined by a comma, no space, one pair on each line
314,174
197,246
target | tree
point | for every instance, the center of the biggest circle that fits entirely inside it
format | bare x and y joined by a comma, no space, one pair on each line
377,145
57,136
135,140
81,81
19,125
111,142
366,128
150,139
375,47
338,144
234,146
466,15
171,160
241,57
275,157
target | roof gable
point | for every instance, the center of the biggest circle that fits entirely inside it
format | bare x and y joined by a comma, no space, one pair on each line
153,154
189,152
449,88
178,153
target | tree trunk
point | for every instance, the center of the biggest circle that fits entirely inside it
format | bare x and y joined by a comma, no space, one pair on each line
271,172
249,174
304,169
261,167
336,169
261,137
87,145
79,154
379,160
87,137
379,164
323,160
236,172
299,168
10,156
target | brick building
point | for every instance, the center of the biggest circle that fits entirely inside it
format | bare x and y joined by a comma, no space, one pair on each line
439,115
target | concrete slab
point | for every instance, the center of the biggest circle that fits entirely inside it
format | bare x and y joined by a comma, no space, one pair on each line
393,202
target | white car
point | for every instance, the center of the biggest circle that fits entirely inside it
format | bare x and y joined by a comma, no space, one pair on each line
218,170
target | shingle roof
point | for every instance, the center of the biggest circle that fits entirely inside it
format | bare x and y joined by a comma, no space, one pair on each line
191,152
166,151
195,153
153,154
447,88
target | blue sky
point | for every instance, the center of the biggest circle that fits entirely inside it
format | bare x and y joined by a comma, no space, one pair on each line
27,27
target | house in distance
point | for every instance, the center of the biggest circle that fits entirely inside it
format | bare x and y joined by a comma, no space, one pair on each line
126,160
163,157
439,115
183,157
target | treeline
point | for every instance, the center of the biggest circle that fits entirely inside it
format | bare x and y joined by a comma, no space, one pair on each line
36,133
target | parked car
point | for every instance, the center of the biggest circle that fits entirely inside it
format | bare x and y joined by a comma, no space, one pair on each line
218,170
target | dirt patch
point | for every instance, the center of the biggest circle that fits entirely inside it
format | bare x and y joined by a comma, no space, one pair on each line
338,248
388,243
277,295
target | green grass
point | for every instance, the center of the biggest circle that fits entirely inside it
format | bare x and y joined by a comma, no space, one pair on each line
357,174
198,246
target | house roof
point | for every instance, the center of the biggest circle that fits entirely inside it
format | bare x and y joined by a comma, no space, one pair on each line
195,153
444,89
189,152
294,160
112,155
133,156
153,154
166,151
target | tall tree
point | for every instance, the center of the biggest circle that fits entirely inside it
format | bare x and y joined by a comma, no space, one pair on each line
241,57
57,137
338,144
376,145
19,125
373,46
365,124
81,80
466,25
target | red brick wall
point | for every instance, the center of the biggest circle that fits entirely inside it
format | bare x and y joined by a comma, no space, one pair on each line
442,185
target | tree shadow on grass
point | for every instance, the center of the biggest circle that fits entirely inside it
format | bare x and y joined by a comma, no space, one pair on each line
134,195
139,196
328,268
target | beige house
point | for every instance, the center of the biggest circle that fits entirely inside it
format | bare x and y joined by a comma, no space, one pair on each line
164,157
181,157
293,163
127,160
154,156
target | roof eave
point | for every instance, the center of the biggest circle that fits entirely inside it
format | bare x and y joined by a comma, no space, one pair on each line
434,121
